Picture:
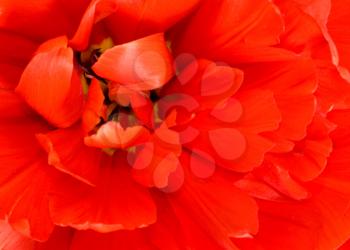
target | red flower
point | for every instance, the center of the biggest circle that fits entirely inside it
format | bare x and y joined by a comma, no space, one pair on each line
188,125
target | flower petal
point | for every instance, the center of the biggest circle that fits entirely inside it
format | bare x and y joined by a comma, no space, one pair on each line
41,19
68,153
213,204
94,107
27,181
116,202
50,85
205,82
155,160
143,64
249,26
11,239
60,239
293,84
113,135
142,18
97,10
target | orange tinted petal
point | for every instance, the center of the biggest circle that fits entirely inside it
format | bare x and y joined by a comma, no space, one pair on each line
11,239
97,10
113,135
94,107
50,85
143,64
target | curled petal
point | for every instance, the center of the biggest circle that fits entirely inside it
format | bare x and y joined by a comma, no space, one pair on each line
143,64
97,10
113,135
50,85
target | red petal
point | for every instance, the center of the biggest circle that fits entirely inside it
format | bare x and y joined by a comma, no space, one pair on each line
143,64
258,189
260,111
320,223
25,179
12,106
249,25
50,85
259,114
287,225
31,220
41,19
301,30
116,202
68,153
16,50
332,89
221,137
121,240
156,160
337,22
113,135
141,18
60,239
309,157
94,107
97,10
213,204
293,84
204,81
139,101
11,239
280,179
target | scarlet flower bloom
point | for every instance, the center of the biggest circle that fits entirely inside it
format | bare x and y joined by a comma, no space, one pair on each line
212,124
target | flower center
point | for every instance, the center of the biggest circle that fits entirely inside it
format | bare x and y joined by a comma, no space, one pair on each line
124,115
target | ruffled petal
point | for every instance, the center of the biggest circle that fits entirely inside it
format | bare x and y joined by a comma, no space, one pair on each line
207,83
154,161
258,114
293,84
309,156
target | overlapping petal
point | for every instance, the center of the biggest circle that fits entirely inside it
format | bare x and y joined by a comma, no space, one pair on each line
143,64
149,124
51,85
99,208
